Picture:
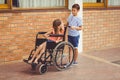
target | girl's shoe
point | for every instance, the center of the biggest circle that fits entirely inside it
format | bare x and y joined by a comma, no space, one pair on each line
25,60
30,62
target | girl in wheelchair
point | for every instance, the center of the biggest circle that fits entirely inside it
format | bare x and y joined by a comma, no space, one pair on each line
58,28
53,50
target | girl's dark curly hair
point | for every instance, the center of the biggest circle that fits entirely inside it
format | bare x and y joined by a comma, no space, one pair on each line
56,23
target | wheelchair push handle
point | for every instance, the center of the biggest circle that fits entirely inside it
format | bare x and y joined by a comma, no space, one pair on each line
56,35
41,32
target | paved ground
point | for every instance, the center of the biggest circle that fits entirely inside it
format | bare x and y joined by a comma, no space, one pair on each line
96,65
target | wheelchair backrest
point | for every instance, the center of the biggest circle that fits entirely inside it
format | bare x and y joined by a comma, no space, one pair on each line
65,30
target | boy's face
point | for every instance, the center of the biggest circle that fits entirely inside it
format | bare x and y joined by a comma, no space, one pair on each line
74,11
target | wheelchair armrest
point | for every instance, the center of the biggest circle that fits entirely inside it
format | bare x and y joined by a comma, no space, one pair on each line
56,35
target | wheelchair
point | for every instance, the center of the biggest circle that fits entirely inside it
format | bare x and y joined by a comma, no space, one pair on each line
60,55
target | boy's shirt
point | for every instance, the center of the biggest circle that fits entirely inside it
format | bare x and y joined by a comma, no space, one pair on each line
74,21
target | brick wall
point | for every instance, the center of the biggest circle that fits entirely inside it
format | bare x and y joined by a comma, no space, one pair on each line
18,30
101,29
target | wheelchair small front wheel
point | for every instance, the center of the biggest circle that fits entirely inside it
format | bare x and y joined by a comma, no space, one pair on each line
43,69
63,55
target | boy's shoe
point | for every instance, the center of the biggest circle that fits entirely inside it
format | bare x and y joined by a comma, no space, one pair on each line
75,63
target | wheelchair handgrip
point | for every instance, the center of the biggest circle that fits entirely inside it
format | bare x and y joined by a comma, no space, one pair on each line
56,35
41,32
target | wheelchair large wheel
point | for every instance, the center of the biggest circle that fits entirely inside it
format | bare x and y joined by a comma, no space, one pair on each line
63,55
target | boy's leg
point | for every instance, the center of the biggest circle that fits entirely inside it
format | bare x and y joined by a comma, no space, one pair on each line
76,54
74,41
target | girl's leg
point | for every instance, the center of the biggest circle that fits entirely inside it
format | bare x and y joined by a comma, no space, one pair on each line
36,52
42,51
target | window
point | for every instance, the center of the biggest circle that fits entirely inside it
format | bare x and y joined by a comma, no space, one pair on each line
40,3
114,3
93,3
33,4
51,4
4,4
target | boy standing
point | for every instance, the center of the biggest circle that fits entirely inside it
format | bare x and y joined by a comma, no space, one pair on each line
74,24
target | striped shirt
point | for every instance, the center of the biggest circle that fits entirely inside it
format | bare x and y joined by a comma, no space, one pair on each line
74,21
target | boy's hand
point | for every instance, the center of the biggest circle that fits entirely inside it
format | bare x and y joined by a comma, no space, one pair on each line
73,27
76,28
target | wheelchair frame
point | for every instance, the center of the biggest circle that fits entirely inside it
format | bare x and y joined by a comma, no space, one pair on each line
53,54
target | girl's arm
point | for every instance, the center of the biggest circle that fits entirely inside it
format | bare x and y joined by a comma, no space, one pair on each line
46,35
66,24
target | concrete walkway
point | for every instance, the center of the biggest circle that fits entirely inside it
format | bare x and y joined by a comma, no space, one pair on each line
96,65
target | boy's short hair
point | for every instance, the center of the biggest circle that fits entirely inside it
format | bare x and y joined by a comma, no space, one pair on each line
76,6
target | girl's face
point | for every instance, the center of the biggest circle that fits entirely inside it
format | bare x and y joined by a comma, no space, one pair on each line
74,11
62,25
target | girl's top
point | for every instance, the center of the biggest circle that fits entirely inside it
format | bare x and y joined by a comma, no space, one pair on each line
56,39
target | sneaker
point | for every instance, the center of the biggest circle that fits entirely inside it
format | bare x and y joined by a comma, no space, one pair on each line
75,63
